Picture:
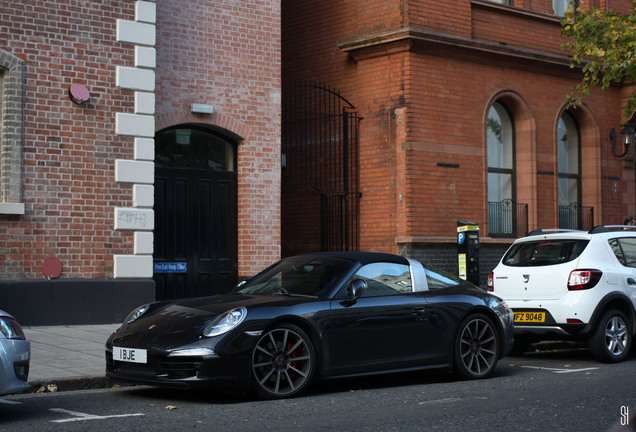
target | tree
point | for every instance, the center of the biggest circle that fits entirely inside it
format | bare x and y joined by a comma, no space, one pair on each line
604,43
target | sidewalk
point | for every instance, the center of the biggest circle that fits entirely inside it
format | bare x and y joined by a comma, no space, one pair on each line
71,357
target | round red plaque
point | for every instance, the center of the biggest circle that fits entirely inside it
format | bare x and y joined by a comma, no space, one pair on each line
52,268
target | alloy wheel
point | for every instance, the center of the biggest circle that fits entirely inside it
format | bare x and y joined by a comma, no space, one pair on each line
611,341
477,348
282,362
616,335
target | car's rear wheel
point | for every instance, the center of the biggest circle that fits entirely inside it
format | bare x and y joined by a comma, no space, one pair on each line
476,347
283,362
612,339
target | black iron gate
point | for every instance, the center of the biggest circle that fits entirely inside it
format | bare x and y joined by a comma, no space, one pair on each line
320,198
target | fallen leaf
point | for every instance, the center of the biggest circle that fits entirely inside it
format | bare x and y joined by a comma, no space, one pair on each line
51,388
171,407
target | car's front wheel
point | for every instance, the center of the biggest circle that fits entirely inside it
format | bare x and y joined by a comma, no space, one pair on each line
283,362
611,341
476,347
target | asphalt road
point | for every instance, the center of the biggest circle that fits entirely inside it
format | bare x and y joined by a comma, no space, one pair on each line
563,390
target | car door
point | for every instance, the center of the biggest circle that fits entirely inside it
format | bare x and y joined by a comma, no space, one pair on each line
386,328
625,251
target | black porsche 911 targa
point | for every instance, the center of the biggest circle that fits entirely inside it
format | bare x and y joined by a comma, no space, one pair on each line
315,316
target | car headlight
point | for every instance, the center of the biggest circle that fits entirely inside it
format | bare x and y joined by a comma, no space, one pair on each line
11,329
225,322
136,313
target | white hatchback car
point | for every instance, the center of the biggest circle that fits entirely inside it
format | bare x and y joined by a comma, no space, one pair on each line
572,285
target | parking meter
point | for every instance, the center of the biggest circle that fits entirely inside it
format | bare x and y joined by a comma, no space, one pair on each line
468,251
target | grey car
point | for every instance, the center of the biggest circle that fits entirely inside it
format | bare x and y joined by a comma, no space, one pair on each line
15,355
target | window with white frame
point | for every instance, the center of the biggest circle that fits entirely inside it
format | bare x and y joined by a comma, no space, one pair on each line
11,97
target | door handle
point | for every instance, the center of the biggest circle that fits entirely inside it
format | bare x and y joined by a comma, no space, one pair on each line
631,281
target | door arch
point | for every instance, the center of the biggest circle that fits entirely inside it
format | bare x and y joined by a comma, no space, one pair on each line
196,234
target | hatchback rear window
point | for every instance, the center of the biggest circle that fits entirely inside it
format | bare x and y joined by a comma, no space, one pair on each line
544,253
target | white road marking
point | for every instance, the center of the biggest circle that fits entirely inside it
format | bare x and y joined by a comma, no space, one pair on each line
439,401
557,370
78,416
9,402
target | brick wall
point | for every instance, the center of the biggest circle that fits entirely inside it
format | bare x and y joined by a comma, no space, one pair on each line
227,54
69,150
423,83
80,164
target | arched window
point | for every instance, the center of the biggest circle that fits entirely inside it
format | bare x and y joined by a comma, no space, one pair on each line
569,172
193,147
501,171
560,6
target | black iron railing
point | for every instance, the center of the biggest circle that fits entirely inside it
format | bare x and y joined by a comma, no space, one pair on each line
507,219
576,216
320,148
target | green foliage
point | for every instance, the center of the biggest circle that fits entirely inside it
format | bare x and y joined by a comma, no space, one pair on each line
604,44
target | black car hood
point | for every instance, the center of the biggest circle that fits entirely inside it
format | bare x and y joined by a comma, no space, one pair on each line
172,324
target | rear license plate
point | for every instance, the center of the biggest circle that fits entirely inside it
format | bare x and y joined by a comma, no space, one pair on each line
529,317
131,355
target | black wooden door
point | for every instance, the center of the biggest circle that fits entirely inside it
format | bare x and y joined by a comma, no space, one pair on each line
195,232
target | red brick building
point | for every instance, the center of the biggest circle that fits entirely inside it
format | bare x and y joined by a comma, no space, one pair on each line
159,149
462,118
139,152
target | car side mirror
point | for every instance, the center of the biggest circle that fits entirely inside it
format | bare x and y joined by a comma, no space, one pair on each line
240,284
355,289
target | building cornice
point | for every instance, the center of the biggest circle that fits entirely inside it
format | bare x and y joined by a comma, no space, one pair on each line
390,42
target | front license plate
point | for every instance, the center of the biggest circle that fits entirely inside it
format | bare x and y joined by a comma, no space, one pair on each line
131,355
529,317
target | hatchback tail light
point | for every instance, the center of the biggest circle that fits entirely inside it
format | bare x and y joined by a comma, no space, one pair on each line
491,282
583,279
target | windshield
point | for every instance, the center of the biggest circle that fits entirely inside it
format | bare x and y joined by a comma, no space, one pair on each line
301,275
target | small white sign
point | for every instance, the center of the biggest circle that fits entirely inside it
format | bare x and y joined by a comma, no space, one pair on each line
134,219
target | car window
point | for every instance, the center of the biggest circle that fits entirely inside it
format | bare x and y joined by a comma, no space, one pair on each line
625,250
439,279
385,278
302,275
544,252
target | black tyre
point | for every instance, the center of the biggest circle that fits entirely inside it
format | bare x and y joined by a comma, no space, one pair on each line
611,341
476,348
283,362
